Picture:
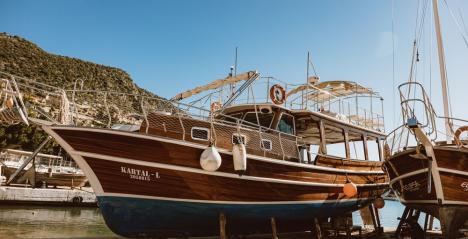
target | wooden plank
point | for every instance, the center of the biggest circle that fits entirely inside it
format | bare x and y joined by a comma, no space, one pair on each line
273,228
222,226
317,230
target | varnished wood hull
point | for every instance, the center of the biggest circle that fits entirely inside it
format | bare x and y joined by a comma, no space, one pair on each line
448,197
148,186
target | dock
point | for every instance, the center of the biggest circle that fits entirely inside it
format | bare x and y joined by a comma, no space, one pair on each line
20,194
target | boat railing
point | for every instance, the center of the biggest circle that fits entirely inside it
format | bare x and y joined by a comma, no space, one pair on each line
361,109
107,109
397,140
357,109
415,104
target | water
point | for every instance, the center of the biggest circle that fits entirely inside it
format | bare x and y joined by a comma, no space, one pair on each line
65,222
52,222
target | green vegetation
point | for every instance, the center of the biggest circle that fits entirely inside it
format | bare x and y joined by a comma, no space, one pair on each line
25,59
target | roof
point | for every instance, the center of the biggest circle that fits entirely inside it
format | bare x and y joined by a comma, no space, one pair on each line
331,89
215,84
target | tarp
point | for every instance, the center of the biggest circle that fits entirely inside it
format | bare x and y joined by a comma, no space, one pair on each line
215,84
328,90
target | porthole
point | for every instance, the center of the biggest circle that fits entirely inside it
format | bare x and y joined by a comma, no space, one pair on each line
198,133
266,144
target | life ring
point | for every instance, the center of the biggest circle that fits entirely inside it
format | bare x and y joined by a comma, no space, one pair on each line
277,94
215,106
456,137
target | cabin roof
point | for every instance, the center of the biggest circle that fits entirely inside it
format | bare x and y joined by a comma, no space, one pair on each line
245,107
325,90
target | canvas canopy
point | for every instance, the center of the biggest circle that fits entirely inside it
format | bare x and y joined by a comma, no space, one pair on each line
327,90
216,84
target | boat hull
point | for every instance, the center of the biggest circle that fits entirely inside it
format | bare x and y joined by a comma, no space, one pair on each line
448,197
144,217
153,186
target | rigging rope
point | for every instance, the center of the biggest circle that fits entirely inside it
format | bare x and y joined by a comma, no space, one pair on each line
457,24
393,61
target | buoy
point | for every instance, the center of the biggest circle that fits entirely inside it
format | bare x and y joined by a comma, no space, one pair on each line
210,160
379,202
239,156
349,189
9,103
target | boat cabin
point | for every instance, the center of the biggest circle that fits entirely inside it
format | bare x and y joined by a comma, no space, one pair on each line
313,129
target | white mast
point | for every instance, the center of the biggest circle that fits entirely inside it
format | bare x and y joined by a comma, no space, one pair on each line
443,73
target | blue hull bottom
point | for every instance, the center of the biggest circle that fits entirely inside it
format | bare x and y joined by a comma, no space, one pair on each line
135,217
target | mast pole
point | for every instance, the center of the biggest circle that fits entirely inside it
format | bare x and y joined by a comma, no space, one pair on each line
307,82
443,73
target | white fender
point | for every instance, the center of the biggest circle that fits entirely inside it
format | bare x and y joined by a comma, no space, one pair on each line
239,156
304,155
210,160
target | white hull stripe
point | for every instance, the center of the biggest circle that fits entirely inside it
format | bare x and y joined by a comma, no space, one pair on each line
234,202
220,174
425,170
221,150
419,171
447,170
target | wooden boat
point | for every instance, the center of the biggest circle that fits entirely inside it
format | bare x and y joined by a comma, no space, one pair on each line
154,182
430,176
52,170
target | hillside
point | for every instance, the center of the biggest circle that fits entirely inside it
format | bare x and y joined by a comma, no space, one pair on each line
23,58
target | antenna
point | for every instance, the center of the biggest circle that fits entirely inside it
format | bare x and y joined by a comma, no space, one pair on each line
232,86
235,63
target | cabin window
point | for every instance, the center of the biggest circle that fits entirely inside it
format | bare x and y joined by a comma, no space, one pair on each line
266,144
198,133
238,139
356,146
373,148
265,119
286,124
336,149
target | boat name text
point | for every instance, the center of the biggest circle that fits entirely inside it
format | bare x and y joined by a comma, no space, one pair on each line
139,174
411,187
464,185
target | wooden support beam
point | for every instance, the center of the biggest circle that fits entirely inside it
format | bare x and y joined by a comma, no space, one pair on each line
374,221
323,142
431,222
377,216
273,228
402,219
426,222
317,230
222,226
364,144
346,143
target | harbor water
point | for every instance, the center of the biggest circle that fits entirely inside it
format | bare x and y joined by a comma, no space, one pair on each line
68,222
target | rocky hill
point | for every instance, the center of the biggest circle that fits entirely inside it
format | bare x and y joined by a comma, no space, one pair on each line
25,59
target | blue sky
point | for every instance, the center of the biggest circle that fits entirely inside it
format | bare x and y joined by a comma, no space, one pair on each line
170,46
